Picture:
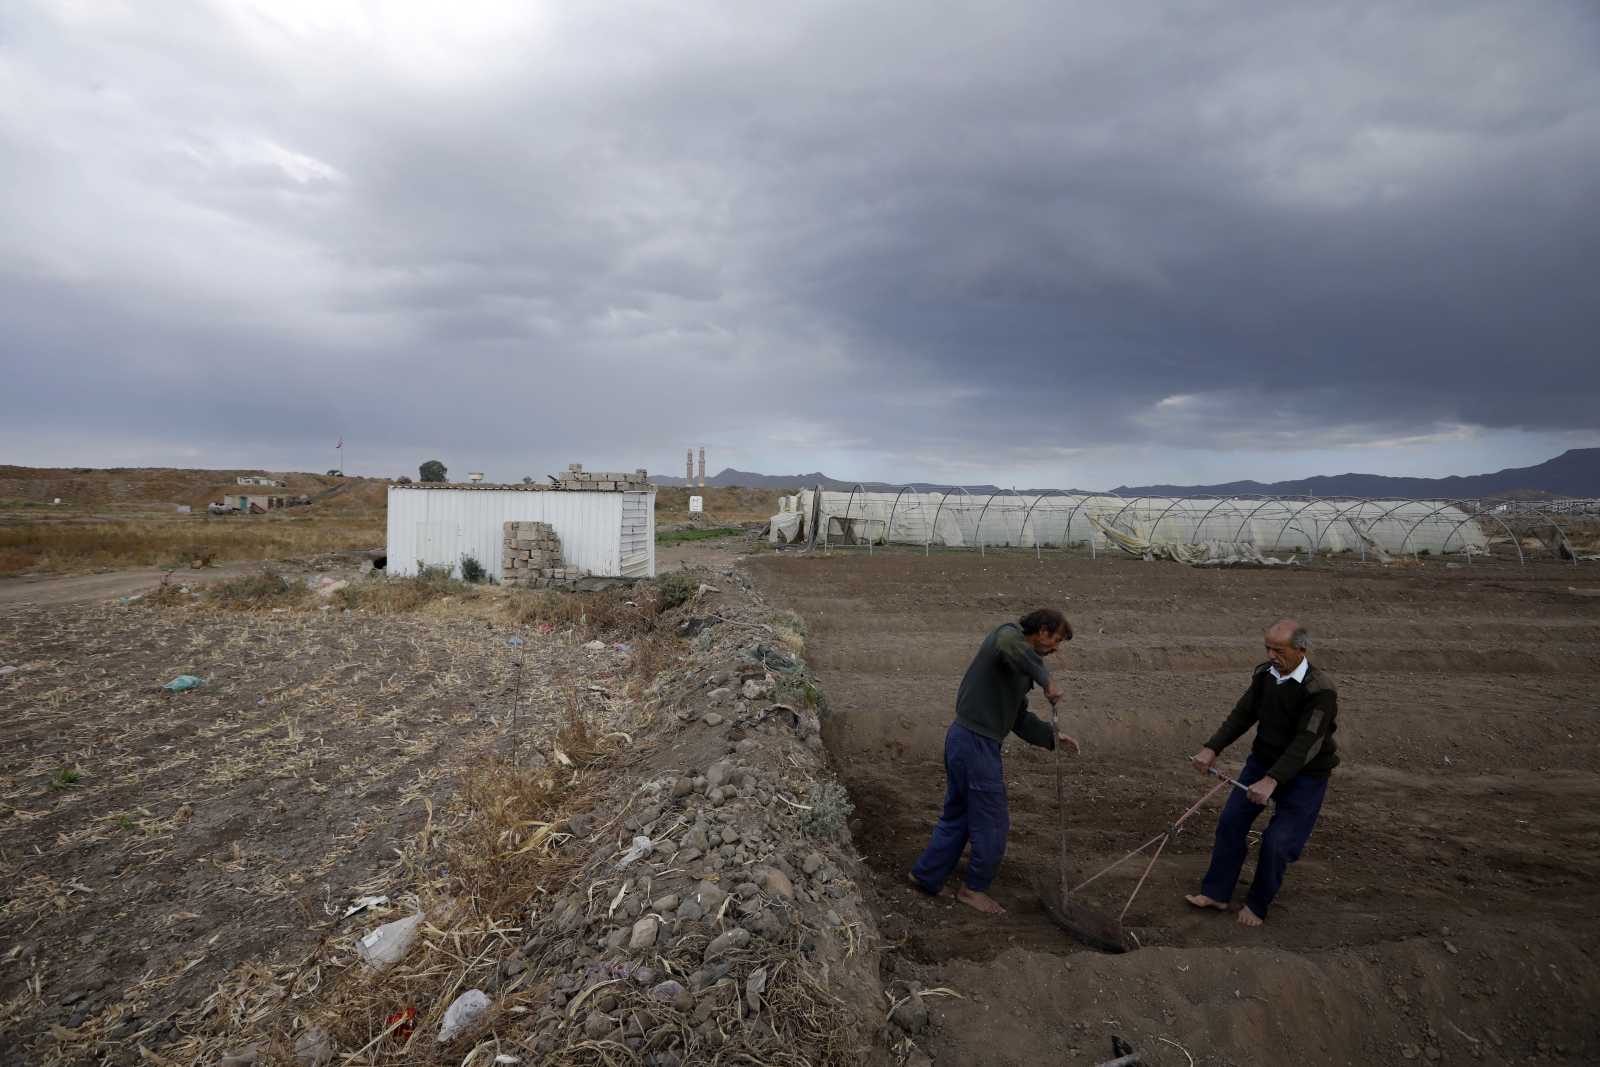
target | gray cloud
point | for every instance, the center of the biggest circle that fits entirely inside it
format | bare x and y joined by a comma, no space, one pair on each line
923,234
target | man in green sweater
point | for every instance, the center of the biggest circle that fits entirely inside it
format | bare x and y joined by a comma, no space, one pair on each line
1293,707
992,702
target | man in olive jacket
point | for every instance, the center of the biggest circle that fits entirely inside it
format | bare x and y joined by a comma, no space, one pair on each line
992,702
1293,707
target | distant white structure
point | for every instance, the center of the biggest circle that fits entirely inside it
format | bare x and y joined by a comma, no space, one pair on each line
605,522
252,480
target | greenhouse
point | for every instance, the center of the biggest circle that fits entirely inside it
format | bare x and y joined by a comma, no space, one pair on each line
1188,529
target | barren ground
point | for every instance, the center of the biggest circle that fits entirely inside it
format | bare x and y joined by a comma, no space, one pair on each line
1444,909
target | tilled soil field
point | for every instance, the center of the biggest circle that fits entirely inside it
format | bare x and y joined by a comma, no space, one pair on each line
1444,908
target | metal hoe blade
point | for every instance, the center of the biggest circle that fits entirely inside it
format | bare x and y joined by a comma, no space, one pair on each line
1084,923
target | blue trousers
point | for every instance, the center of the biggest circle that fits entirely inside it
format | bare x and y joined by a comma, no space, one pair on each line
974,811
1299,801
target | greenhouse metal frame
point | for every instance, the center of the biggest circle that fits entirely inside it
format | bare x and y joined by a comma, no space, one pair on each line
956,517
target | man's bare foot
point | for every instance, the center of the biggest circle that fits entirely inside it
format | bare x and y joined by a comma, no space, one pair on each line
944,891
1200,900
982,901
1248,917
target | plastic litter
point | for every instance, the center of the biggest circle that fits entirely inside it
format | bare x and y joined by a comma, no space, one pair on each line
9,670
642,847
513,640
313,1047
545,627
596,646
389,942
665,991
182,682
278,611
363,903
461,1012
506,1058
405,1019
125,601
774,660
623,648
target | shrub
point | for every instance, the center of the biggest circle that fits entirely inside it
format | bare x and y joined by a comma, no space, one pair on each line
784,619
675,589
830,808
801,690
706,640
472,570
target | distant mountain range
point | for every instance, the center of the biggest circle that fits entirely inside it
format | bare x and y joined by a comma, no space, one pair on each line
1574,473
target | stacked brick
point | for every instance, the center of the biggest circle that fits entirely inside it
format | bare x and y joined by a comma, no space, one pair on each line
575,477
531,557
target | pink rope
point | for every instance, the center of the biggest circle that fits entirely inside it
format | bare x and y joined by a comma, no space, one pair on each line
1161,837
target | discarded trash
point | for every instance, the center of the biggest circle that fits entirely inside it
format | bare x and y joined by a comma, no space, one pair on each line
326,607
623,648
461,1012
545,627
506,1058
347,611
363,903
774,660
313,1047
279,611
329,590
642,847
707,588
513,640
130,599
596,646
405,1019
240,1057
757,982
665,991
630,603
182,682
9,670
388,943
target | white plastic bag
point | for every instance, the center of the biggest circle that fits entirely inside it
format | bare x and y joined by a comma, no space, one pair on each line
461,1012
388,943
642,847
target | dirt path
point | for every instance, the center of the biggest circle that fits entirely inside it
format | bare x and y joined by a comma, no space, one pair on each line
1446,896
89,588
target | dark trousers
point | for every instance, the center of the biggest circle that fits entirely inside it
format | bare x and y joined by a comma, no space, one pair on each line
1299,800
974,812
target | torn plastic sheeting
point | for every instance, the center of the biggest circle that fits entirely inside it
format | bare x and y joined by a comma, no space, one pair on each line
459,1015
595,646
182,682
642,847
363,903
389,942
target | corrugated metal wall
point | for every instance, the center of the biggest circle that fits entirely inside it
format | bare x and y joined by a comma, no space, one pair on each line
591,527
638,534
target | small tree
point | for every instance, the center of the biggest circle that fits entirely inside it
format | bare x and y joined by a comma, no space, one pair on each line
527,479
432,471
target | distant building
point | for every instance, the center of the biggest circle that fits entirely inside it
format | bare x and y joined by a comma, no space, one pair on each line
252,480
260,503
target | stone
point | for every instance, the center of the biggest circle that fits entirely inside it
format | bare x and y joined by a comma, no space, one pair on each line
696,838
747,746
683,1001
719,694
736,938
73,997
689,855
718,773
712,719
811,863
777,884
616,938
701,785
514,966
682,787
709,894
644,934
597,1025
690,911
579,825
667,903
918,1058
911,1014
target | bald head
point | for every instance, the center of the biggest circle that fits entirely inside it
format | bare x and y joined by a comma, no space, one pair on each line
1286,642
1291,633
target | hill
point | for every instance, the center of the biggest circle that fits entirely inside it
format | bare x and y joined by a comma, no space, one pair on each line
1574,473
88,486
751,480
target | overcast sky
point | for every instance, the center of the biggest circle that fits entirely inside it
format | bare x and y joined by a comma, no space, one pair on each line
1059,243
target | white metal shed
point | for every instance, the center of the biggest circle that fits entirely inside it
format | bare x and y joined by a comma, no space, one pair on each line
609,534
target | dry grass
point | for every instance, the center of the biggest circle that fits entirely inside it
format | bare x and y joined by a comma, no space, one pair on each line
58,547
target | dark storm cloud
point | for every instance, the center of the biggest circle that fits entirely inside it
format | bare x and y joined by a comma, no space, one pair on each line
908,229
